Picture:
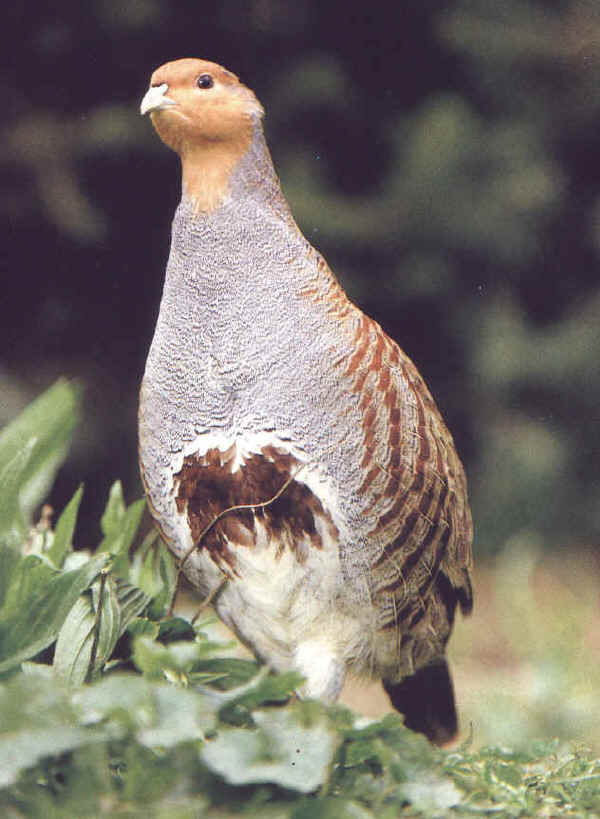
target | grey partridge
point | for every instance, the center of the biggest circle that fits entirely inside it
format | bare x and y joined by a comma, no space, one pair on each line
265,388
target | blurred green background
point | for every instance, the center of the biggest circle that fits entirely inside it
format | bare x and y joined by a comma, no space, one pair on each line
442,155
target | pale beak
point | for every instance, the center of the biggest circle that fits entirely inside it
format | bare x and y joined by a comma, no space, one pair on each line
155,99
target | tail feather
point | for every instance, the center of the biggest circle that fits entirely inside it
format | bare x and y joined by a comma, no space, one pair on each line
427,701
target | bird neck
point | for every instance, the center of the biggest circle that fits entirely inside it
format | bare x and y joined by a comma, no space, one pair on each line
213,171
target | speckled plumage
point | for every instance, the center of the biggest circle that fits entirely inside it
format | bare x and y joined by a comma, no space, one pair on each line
262,373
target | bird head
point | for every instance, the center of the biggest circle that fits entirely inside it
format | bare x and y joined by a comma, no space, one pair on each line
205,114
194,102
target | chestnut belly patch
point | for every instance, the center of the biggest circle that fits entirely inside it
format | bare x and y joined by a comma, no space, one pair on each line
283,514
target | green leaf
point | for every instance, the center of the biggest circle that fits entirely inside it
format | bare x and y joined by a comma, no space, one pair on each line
39,669
175,661
433,795
263,688
92,630
230,672
282,750
73,650
142,627
361,751
35,601
153,570
158,714
114,511
173,629
41,718
32,447
13,526
10,561
36,720
331,808
119,525
141,571
63,533
132,601
179,716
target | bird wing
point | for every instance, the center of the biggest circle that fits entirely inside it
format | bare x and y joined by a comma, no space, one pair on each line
414,495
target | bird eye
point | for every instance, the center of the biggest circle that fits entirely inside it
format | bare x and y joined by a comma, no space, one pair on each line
205,81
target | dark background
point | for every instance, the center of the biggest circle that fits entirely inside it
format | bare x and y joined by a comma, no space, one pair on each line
442,155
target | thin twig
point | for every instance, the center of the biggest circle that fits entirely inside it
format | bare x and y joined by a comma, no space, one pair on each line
210,597
243,507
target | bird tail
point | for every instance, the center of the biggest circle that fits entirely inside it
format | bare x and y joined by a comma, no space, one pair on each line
427,701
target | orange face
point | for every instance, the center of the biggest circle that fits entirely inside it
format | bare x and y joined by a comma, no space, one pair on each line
194,102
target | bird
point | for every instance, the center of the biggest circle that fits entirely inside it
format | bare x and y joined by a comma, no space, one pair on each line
292,456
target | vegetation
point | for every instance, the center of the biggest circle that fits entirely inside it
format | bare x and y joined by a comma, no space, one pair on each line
445,161
110,705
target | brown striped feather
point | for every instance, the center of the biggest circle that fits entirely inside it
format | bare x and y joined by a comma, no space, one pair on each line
207,485
413,491
413,486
